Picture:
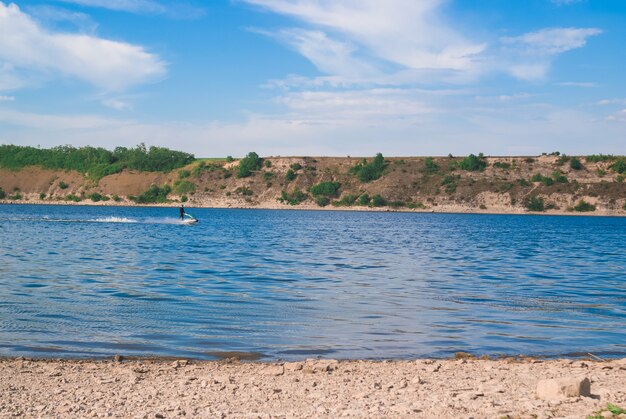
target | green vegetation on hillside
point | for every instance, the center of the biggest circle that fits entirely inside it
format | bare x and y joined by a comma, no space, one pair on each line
583,206
95,162
473,163
252,162
154,195
367,172
3,194
293,198
619,166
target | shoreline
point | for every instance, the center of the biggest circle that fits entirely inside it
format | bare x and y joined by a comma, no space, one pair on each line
443,209
447,388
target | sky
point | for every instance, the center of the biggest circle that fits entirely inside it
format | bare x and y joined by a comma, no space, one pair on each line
316,77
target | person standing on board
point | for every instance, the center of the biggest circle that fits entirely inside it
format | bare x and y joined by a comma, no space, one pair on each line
182,212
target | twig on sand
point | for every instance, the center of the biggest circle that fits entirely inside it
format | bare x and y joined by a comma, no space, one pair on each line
595,357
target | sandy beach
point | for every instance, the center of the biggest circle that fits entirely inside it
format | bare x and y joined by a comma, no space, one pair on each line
452,388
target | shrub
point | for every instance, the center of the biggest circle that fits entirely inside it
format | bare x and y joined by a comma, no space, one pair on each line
230,159
42,196
184,187
378,201
184,198
502,165
267,176
620,178
505,187
346,201
583,206
249,164
473,163
364,200
575,164
538,177
450,188
16,196
267,163
182,174
322,201
154,195
429,166
562,160
291,175
296,167
74,198
449,179
244,190
453,165
96,197
396,204
535,203
559,177
595,158
294,198
529,160
412,205
63,185
3,194
116,198
227,174
328,189
619,166
367,172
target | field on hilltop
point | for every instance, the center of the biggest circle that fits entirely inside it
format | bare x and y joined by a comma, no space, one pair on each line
551,183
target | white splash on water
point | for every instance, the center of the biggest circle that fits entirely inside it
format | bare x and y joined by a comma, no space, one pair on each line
114,220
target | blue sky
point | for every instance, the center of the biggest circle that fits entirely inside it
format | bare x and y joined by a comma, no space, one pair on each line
316,77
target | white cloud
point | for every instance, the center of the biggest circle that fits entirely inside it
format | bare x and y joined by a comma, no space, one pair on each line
388,36
605,102
117,104
7,98
27,48
584,84
565,2
619,116
136,6
552,41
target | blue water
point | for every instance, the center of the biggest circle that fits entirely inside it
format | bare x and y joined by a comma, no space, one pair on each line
95,281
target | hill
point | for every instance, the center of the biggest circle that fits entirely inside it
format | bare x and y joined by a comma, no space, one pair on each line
551,183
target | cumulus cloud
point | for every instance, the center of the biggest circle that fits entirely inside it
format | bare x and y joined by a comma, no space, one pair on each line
26,49
371,36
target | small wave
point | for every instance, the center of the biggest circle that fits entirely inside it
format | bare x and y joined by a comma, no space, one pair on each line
152,220
114,220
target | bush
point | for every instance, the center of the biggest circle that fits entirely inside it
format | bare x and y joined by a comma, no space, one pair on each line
267,163
535,203
505,187
559,177
364,200
182,174
42,196
575,164
596,158
230,159
74,198
116,198
378,201
249,164
184,187
327,189
96,197
346,201
291,175
63,185
583,206
3,194
296,167
429,166
449,179
184,198
523,182
294,198
538,177
154,195
502,165
244,190
473,163
322,201
367,172
619,166
267,176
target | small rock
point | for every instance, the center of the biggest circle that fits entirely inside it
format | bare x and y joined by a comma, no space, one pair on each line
274,370
118,358
417,380
564,387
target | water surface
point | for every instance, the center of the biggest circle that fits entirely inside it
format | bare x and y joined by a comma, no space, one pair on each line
95,281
